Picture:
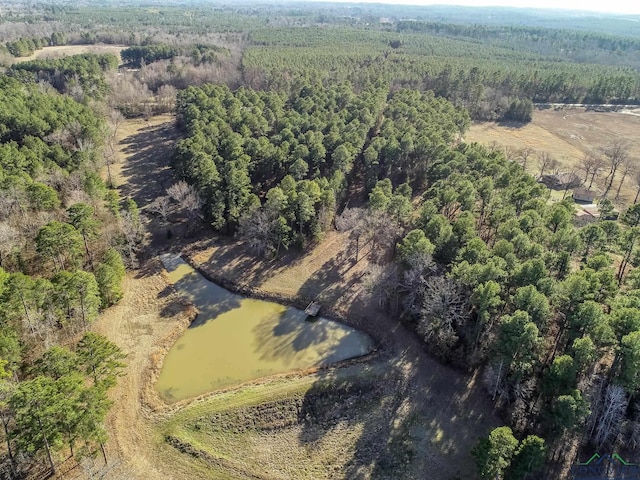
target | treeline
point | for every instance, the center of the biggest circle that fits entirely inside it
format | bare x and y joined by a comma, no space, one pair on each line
484,68
23,47
198,19
61,237
495,278
78,75
482,77
292,153
139,55
580,46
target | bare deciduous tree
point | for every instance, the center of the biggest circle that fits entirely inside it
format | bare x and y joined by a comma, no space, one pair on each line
414,281
493,380
161,206
616,153
77,196
12,201
166,98
636,181
524,155
187,198
133,231
110,157
383,231
607,414
115,119
382,282
444,310
110,154
262,230
354,221
587,164
9,238
510,152
545,162
627,168
128,94
632,439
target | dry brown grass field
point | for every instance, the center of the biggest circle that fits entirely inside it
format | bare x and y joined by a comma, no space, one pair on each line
567,135
67,50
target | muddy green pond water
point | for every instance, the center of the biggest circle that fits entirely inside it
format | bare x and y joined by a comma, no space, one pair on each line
235,339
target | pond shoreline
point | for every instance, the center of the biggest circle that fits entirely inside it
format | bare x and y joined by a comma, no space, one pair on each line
248,294
296,301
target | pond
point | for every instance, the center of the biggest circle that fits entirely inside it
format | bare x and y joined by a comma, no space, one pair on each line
235,339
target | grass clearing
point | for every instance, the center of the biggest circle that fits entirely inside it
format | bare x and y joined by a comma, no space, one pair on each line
69,50
567,135
312,427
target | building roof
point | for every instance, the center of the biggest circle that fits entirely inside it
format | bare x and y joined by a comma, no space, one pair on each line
561,180
584,193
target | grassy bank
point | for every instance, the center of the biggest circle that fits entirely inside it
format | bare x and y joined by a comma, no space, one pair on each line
308,427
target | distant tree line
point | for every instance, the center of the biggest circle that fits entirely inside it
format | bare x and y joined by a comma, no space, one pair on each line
485,78
580,46
136,56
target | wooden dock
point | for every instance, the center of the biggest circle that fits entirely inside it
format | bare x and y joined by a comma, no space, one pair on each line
312,309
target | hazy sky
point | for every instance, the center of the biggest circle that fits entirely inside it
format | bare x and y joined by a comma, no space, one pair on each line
613,6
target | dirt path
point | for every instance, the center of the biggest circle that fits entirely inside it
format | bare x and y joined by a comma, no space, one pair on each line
151,315
142,325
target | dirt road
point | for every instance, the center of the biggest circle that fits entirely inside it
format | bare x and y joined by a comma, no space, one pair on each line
143,325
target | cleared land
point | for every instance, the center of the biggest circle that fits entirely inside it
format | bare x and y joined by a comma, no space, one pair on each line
567,135
396,414
144,325
68,50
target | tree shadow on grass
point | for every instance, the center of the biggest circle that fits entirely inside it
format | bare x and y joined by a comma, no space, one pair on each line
416,418
148,269
413,423
512,124
231,260
147,165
